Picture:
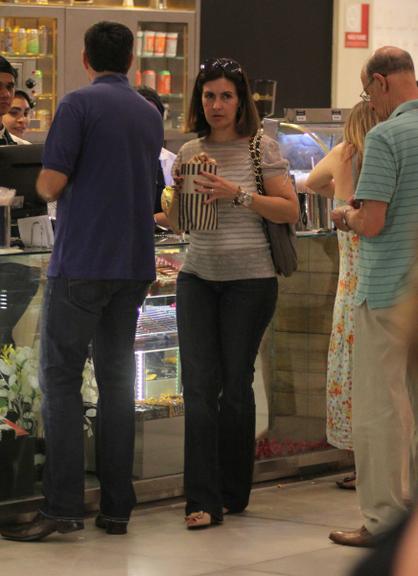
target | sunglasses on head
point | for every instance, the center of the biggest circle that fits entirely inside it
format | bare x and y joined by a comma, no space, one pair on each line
225,64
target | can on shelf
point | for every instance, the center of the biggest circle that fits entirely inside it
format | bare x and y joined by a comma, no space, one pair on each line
160,42
164,82
148,43
171,44
149,78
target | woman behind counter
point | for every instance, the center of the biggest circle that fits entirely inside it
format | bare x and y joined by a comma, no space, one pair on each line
226,292
18,117
335,176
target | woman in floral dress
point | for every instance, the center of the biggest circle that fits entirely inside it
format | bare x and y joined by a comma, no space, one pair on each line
335,176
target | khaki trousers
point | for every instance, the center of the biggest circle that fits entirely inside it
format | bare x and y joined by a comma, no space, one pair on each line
385,401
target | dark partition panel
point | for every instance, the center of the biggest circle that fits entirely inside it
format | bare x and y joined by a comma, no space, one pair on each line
285,40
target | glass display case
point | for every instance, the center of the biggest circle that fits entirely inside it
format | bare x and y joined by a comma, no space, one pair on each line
161,63
28,39
159,405
156,343
305,136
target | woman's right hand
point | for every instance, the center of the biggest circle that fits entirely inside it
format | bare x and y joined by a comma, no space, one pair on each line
178,182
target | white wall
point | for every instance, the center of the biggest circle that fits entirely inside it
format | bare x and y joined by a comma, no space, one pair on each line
392,22
348,62
396,24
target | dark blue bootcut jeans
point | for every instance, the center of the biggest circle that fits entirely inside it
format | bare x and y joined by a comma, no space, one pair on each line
220,326
75,313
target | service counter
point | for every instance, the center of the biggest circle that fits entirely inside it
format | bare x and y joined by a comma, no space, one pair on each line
290,378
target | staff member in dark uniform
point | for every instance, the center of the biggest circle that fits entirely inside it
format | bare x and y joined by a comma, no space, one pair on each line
8,76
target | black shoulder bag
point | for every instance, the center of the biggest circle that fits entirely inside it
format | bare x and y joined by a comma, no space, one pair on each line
282,237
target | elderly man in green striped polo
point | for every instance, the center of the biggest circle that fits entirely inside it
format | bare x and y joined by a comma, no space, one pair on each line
384,213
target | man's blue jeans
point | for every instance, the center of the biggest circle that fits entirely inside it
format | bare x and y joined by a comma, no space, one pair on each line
75,313
220,326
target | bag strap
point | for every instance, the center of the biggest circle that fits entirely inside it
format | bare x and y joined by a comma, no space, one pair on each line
255,153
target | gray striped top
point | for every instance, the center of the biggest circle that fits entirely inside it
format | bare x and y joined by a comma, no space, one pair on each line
390,174
238,248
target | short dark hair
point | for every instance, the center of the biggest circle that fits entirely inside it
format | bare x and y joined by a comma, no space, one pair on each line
7,68
248,120
152,96
23,94
108,47
387,61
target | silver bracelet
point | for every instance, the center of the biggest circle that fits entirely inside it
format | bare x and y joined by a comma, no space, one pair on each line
242,198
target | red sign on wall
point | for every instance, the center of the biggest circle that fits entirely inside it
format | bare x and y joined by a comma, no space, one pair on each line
357,26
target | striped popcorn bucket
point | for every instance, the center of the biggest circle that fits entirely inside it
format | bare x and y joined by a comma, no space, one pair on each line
193,213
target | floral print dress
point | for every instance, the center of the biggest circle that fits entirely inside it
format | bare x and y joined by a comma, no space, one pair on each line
340,353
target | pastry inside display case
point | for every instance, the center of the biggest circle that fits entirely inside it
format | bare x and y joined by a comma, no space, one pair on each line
158,383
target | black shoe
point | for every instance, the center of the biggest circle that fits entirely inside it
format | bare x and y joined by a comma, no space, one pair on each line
40,528
111,526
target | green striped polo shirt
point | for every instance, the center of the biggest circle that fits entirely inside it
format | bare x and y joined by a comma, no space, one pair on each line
390,174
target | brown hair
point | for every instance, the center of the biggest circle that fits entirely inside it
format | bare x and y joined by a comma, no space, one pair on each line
247,121
360,120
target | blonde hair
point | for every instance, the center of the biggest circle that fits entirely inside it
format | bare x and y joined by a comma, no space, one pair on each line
360,120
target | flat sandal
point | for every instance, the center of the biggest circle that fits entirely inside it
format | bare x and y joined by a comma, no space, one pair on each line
201,519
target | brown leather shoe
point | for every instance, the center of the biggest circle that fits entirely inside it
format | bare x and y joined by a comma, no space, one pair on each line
360,537
40,528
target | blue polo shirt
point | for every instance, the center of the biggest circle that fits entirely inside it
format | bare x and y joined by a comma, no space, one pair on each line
107,139
390,174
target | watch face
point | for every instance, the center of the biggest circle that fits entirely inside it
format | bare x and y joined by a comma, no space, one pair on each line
247,199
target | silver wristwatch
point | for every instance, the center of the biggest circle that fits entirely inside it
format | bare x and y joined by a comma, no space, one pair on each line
242,198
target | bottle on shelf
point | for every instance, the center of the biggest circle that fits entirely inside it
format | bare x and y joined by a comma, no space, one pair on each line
8,39
22,41
43,40
2,35
15,39
33,41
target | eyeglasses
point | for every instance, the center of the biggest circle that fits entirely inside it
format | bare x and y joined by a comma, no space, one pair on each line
364,94
225,64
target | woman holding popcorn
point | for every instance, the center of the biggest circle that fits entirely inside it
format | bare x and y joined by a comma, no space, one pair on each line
227,289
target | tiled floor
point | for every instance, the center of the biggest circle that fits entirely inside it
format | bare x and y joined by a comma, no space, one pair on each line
284,532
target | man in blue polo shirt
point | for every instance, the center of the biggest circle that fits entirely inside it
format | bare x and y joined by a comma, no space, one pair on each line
100,162
385,215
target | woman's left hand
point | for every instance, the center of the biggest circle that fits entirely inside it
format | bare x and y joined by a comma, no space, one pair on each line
215,186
